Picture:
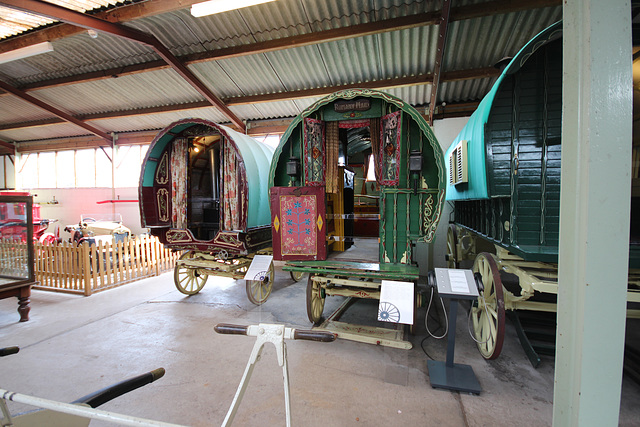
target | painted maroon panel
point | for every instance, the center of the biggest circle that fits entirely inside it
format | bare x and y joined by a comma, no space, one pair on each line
298,223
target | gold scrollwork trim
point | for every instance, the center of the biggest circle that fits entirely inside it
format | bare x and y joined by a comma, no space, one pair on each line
162,197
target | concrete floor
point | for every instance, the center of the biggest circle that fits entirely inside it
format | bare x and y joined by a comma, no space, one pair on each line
75,345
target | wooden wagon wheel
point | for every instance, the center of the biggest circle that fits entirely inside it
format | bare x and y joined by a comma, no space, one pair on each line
188,280
452,246
259,290
296,275
315,301
488,314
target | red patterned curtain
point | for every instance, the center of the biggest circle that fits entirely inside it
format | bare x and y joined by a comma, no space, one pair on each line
230,186
179,184
314,153
390,149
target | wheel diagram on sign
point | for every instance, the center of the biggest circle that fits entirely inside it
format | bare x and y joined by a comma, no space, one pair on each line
388,312
261,276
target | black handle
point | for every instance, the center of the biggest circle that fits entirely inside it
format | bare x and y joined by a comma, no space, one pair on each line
227,328
320,336
9,350
99,397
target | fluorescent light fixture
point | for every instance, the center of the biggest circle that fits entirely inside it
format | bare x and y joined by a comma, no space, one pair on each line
26,52
216,6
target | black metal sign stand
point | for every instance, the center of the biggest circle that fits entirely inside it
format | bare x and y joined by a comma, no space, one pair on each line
449,375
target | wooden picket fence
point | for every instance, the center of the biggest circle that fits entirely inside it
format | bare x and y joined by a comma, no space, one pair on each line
87,269
14,264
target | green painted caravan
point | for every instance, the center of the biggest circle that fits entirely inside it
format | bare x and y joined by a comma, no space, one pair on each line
504,166
510,191
503,173
327,153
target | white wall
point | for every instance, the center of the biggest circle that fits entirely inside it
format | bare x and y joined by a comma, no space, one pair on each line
72,202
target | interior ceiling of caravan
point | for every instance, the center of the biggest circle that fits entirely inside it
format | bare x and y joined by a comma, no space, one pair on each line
125,69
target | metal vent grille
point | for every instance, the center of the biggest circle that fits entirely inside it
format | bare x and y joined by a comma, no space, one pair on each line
458,164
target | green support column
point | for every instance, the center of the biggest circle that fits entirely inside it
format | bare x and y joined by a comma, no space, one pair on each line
594,212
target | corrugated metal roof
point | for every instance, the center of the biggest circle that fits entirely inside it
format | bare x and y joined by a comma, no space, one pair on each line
42,132
15,110
13,22
471,44
153,89
76,55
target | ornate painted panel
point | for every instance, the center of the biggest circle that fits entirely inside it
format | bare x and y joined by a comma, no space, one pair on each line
298,223
314,152
389,152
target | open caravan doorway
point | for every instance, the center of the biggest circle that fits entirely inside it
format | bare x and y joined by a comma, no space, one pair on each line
212,186
203,186
356,222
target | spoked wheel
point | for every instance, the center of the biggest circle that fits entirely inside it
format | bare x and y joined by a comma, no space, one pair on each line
315,301
452,246
296,275
188,280
47,239
258,290
488,313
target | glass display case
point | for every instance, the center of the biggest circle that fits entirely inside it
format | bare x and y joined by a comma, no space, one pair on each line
17,250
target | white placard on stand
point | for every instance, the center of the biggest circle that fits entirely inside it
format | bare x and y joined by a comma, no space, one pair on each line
396,302
458,281
259,267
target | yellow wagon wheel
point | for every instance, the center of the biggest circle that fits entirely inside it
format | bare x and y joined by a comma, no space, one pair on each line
487,312
315,301
452,245
188,280
259,290
296,275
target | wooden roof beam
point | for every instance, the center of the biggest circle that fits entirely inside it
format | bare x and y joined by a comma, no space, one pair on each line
117,15
442,39
90,22
120,14
7,145
155,7
53,110
274,97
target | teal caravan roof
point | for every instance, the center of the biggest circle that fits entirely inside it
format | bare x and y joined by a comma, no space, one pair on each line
255,161
474,131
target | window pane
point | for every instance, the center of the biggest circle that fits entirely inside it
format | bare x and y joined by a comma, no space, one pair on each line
28,171
65,174
128,166
85,168
47,170
3,172
371,171
143,153
103,168
10,174
272,140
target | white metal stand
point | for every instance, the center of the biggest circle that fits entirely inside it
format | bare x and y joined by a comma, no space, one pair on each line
264,333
